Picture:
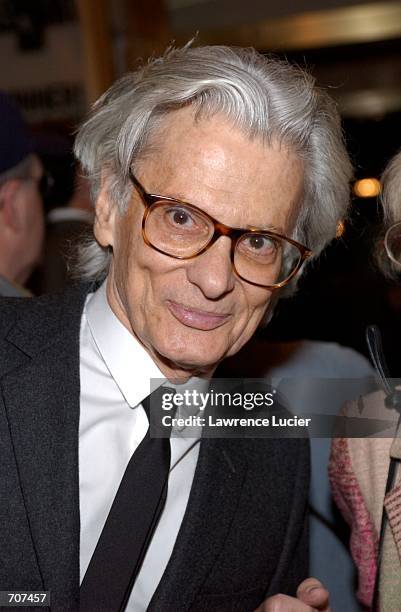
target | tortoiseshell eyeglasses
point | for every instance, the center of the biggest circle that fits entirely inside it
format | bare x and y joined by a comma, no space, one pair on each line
184,231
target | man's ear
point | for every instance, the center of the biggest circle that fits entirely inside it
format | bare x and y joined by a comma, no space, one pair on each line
105,218
11,207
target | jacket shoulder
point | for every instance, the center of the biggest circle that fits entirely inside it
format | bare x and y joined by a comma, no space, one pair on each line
29,324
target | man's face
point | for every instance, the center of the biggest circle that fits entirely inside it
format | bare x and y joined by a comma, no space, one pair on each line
34,217
25,223
191,314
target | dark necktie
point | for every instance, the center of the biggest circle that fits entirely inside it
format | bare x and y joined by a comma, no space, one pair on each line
129,527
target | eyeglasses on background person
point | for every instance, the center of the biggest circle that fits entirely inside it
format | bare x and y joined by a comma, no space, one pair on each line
184,231
392,243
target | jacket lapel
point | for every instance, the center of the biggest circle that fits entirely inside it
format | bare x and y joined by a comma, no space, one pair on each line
41,399
41,396
213,500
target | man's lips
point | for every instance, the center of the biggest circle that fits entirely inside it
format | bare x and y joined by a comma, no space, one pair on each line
198,319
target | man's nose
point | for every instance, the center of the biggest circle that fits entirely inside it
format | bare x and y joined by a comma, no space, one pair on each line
212,271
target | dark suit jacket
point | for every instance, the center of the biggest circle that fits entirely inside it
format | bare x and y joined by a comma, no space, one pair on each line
243,535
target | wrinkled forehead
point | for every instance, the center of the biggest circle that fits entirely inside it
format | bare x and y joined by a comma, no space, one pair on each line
240,181
183,127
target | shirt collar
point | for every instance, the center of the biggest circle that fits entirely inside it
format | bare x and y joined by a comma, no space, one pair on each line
130,365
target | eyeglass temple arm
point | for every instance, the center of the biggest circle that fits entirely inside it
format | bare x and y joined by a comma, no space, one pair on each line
138,186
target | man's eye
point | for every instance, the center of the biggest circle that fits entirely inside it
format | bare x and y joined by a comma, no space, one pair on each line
260,244
180,217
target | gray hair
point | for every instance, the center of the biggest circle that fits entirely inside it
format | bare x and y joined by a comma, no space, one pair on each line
262,96
391,203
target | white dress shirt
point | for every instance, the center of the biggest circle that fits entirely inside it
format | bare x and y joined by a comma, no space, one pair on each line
115,373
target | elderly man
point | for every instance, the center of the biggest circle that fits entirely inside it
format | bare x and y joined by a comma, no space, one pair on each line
21,206
211,170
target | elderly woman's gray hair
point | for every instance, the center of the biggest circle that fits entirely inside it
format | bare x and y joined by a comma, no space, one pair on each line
391,204
264,97
391,194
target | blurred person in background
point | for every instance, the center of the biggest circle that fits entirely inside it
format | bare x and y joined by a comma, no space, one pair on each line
21,205
365,472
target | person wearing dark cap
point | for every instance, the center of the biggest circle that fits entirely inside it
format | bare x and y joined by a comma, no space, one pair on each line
21,205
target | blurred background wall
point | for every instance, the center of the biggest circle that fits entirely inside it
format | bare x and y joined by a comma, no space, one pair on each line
57,56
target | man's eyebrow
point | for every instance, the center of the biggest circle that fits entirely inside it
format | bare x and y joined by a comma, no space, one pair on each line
168,194
267,228
274,229
181,198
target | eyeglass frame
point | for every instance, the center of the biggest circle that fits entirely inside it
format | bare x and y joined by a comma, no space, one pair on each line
220,229
45,183
388,252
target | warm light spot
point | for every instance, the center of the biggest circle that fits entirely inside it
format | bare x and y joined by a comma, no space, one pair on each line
340,229
367,188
